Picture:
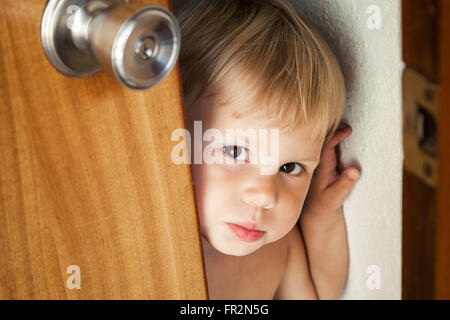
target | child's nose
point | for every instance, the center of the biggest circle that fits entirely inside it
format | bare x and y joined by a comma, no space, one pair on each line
261,193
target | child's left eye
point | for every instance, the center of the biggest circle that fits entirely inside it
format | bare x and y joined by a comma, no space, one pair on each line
236,152
292,168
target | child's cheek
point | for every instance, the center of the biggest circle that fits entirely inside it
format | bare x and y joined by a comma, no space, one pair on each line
212,190
292,199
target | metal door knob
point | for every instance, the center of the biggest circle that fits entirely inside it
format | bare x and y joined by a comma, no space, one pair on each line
138,44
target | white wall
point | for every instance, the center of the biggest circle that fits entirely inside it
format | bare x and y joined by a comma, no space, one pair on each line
372,65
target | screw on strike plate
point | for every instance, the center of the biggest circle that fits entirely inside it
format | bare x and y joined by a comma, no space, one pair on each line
428,94
427,169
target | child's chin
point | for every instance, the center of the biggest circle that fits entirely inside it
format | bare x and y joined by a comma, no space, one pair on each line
237,250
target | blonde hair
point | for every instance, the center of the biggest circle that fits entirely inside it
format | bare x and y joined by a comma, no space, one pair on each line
279,56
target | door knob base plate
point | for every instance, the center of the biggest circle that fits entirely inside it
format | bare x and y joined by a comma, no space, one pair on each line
60,29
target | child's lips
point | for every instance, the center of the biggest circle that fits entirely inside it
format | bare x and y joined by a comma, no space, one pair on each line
247,225
245,234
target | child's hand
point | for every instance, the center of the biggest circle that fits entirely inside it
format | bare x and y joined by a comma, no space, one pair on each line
328,188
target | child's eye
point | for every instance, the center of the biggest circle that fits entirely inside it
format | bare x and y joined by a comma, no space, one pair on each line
292,168
236,152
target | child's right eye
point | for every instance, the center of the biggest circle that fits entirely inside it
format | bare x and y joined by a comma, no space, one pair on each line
236,152
292,168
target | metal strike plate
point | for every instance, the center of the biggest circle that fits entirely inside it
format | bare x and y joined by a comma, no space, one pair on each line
420,126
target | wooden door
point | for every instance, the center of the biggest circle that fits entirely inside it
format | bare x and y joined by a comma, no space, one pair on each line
87,181
426,189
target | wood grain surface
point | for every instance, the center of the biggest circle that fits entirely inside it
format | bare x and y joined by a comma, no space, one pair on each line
86,179
442,267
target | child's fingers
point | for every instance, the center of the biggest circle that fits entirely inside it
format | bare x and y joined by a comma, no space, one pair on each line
338,191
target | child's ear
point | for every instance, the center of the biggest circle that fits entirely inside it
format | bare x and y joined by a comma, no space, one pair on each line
343,124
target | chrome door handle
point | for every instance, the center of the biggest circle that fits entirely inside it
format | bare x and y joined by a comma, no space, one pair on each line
136,43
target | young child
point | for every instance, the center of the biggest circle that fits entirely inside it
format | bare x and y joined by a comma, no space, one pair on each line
255,64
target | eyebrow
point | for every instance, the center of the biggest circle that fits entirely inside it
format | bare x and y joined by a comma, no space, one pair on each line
310,160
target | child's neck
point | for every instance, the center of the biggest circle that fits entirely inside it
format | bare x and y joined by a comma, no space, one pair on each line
208,250
214,256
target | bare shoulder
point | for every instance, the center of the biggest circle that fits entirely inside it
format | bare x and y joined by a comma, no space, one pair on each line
296,283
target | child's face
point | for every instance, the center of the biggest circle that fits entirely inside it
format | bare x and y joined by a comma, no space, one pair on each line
239,193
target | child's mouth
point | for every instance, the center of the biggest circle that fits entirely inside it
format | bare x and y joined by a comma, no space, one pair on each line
245,234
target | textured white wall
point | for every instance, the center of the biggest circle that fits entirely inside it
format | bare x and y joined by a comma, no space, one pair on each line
369,48
370,53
